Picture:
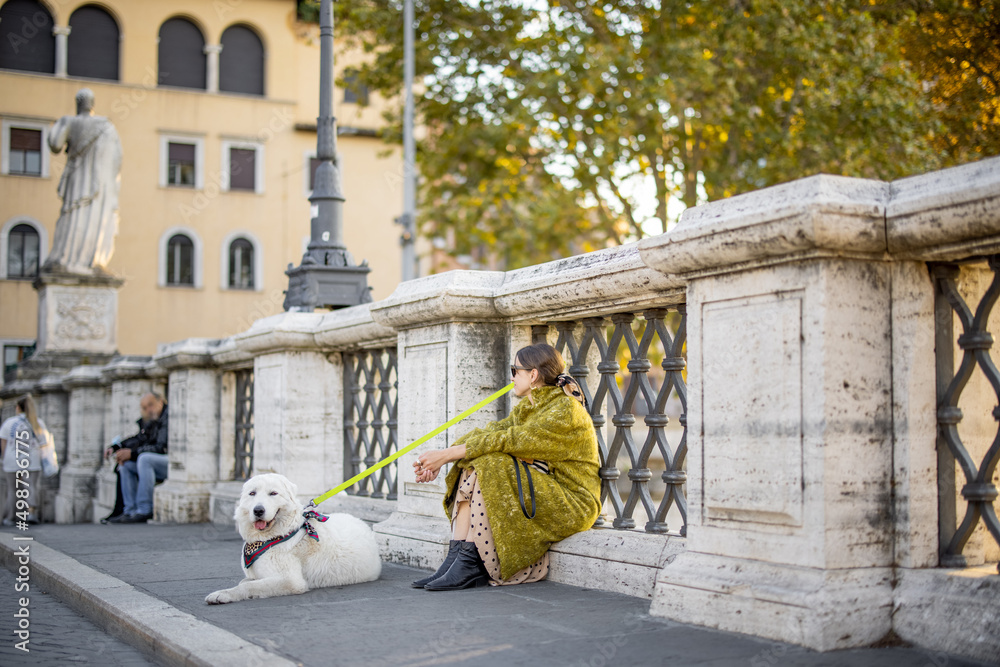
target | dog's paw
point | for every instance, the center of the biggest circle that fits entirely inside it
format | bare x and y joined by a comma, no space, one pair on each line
220,597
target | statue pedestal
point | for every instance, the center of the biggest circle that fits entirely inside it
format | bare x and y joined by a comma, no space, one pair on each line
77,315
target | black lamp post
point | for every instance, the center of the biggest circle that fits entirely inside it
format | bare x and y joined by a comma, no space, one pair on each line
327,276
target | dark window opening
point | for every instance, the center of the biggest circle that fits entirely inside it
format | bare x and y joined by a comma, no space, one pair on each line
181,55
15,354
180,260
242,168
241,264
27,42
241,63
25,153
92,49
180,164
22,252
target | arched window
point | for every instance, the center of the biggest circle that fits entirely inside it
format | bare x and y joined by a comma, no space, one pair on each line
93,44
23,252
180,260
27,42
241,63
181,55
241,265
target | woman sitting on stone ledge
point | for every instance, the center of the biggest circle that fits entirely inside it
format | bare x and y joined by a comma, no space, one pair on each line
493,540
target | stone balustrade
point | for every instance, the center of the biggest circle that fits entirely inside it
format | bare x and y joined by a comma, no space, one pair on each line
788,358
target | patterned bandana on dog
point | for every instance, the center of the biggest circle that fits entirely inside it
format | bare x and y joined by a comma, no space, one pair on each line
254,550
312,514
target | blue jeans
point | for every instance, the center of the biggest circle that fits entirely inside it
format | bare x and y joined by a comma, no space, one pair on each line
138,479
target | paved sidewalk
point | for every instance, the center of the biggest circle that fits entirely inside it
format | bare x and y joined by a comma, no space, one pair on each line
147,584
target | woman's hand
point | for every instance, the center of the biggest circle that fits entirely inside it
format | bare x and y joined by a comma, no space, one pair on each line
429,463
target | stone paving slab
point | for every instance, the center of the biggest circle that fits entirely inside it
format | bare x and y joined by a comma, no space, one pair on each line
58,635
384,623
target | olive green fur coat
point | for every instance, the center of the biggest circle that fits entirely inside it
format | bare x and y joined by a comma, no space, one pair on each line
557,430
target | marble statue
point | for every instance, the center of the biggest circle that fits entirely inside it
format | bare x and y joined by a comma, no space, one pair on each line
88,222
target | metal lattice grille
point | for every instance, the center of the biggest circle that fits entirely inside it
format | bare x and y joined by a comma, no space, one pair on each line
975,341
244,424
651,392
370,420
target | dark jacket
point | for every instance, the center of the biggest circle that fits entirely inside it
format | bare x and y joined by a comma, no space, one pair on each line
152,436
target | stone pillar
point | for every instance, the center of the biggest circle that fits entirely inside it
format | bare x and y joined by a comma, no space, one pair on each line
53,409
85,444
790,469
129,382
298,403
193,432
453,351
61,33
212,67
945,216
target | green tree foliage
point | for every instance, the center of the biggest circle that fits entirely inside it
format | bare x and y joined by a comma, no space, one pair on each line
954,47
559,126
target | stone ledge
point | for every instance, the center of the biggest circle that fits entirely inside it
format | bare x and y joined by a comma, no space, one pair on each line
614,279
279,333
604,559
353,327
227,356
84,376
946,215
453,296
187,353
125,368
372,510
618,561
820,215
967,598
821,609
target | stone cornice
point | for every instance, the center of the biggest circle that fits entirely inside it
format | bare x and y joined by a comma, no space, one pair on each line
84,376
187,353
125,368
278,333
352,327
946,215
614,279
816,216
228,355
454,296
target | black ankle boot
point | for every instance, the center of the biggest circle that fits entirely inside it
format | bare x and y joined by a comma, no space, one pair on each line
467,571
449,559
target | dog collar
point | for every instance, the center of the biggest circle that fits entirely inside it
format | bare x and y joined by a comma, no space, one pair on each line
254,550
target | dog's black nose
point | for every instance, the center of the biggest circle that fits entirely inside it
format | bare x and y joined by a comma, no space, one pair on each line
258,511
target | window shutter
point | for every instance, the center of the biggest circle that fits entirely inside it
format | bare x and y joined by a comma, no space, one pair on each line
242,165
25,140
93,44
181,52
181,152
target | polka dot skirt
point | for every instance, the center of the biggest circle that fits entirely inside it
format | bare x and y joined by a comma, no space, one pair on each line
482,535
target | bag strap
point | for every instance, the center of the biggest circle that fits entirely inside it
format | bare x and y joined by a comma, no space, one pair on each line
520,490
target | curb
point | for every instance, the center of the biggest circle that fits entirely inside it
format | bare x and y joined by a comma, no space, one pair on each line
167,635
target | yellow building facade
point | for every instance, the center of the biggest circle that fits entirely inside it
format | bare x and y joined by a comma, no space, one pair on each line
216,171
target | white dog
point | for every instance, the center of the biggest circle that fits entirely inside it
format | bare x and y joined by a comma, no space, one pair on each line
288,551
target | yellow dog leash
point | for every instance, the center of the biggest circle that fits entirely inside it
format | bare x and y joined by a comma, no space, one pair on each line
315,502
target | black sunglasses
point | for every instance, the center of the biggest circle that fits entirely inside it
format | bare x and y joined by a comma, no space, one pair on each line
515,369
